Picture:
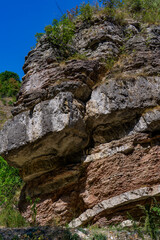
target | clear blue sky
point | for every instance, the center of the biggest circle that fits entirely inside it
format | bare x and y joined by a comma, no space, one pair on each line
20,20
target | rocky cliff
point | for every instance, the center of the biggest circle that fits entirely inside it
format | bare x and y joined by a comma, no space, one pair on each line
86,133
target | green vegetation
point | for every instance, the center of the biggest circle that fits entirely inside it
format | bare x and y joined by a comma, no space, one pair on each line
9,181
110,63
33,205
86,12
11,217
69,236
149,223
151,218
10,184
99,236
111,3
38,37
60,33
9,84
146,11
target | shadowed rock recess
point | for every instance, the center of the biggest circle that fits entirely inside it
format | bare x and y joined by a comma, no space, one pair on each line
85,134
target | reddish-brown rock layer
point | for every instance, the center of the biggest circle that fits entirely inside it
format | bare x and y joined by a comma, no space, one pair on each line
102,178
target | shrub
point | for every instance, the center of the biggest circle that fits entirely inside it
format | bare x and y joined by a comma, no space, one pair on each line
33,205
99,237
133,5
62,31
145,10
149,223
9,84
86,12
38,36
10,183
151,218
7,74
10,217
69,236
60,34
72,13
111,3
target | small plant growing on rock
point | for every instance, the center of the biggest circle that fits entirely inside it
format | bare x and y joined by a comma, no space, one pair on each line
109,63
69,236
72,13
60,34
33,205
99,237
151,218
38,36
111,3
149,223
134,5
86,12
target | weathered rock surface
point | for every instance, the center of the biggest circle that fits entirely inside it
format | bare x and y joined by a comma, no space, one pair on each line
119,107
100,39
36,132
119,200
85,136
45,78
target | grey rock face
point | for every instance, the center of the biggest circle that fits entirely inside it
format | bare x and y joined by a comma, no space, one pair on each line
45,130
45,80
99,40
118,106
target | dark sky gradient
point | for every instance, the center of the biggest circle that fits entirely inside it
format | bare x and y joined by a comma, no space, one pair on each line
20,20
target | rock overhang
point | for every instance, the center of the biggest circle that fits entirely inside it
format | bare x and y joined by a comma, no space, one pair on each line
53,126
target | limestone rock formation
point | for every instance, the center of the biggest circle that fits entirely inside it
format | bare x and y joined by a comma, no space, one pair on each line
85,135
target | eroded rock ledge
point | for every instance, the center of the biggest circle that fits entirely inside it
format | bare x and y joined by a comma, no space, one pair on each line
86,138
115,202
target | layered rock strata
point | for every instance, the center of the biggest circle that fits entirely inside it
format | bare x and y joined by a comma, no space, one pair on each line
86,136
